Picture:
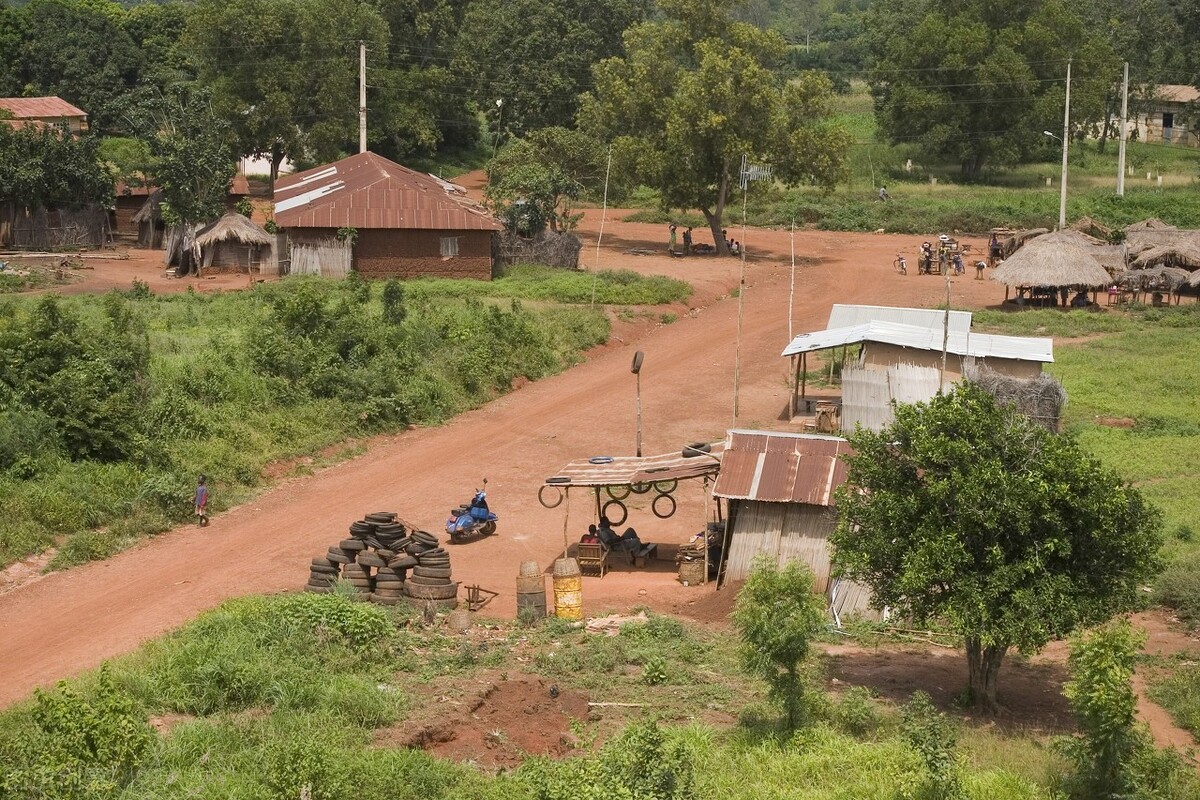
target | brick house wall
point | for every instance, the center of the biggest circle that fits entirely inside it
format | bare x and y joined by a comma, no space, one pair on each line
419,254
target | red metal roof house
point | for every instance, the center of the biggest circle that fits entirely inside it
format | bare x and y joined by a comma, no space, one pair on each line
42,112
408,224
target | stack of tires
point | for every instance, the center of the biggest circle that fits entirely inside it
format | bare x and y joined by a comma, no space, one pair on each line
376,561
430,581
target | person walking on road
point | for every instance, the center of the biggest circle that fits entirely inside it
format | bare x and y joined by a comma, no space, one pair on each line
671,240
687,241
202,502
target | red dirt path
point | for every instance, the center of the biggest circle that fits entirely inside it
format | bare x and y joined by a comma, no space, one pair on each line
68,622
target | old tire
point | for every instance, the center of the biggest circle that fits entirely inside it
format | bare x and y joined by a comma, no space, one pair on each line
550,499
417,580
666,487
696,449
617,492
611,507
663,506
640,488
447,591
431,572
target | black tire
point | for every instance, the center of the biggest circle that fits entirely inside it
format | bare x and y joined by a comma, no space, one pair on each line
340,558
402,562
663,506
641,488
330,570
606,511
321,561
435,563
431,572
371,560
559,479
666,487
352,544
546,503
488,528
636,366
695,449
617,492
417,580
418,592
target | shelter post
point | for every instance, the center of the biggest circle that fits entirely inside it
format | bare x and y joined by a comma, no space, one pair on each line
566,518
795,386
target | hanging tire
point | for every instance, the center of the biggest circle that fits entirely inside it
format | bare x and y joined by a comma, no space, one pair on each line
663,506
549,500
607,511
666,487
640,488
695,449
617,492
559,479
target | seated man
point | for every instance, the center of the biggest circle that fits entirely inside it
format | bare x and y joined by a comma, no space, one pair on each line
627,541
590,537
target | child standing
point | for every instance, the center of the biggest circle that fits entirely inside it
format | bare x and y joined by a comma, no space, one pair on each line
202,501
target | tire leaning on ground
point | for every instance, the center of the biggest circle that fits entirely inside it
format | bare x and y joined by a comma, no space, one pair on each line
447,591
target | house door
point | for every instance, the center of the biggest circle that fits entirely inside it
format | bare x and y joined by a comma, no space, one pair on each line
1168,124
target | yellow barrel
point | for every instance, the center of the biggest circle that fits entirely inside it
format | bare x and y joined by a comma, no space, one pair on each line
568,589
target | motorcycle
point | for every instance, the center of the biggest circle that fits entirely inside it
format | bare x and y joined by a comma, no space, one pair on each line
475,517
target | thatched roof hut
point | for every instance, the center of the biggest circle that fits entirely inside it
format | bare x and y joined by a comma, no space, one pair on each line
149,221
1152,224
1111,257
1011,244
1055,259
1163,279
1091,227
232,242
1183,252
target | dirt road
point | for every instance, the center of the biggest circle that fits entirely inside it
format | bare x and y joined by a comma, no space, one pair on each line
60,624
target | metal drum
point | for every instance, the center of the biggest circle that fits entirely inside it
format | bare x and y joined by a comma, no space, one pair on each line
531,590
568,589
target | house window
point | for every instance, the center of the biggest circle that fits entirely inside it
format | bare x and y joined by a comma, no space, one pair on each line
449,246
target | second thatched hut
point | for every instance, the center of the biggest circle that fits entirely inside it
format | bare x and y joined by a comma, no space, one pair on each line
232,244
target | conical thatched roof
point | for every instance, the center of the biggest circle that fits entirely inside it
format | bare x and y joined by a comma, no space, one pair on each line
1013,242
233,226
1091,227
149,210
1110,256
1183,252
1056,259
1194,279
1152,224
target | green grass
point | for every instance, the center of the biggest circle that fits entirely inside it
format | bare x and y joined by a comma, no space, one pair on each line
276,692
11,283
1177,689
235,381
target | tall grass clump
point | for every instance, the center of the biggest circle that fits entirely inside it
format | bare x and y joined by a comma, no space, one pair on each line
110,407
532,282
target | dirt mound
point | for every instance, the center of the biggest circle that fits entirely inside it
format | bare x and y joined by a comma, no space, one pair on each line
499,724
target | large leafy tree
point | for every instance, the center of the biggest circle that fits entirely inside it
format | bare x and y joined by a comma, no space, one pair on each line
968,513
535,55
549,168
45,168
978,82
695,92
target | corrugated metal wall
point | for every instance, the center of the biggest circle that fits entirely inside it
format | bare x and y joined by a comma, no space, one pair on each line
867,392
786,531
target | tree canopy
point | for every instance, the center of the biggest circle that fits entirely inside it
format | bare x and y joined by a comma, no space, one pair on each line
695,92
549,168
45,168
978,82
969,513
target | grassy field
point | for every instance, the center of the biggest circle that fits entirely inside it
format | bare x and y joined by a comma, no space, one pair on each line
268,695
112,405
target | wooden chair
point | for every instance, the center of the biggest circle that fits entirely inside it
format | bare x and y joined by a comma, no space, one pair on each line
593,558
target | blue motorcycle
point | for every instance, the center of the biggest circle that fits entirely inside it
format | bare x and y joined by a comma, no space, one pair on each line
476,517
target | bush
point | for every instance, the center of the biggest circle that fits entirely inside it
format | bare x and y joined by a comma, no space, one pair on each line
929,733
1178,587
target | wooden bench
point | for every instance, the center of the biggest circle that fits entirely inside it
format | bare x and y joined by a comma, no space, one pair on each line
593,558
646,551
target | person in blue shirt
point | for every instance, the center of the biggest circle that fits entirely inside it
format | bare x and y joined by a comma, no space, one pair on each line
628,540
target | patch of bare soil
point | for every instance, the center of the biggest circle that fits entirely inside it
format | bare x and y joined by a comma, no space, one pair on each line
494,721
163,724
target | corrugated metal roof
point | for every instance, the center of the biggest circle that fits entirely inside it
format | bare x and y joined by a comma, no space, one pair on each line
626,470
977,345
40,107
1177,93
779,467
844,315
369,191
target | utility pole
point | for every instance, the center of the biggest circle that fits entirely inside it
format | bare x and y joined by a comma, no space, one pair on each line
1062,195
1124,122
362,97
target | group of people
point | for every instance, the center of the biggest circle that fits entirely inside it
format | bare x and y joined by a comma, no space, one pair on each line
689,248
605,535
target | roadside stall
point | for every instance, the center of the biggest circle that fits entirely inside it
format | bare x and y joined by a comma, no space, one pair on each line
607,483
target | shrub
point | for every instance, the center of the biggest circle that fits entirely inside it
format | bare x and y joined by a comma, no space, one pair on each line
1179,587
929,733
855,712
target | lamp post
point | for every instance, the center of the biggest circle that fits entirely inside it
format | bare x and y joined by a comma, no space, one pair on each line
1066,135
499,126
636,369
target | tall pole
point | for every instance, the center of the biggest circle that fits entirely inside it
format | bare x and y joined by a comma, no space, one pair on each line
945,333
1124,122
737,347
792,284
603,217
362,97
1062,192
638,377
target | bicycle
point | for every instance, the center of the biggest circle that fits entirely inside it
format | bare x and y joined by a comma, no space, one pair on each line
900,264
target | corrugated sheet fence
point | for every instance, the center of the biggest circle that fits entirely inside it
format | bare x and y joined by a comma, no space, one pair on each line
328,258
867,392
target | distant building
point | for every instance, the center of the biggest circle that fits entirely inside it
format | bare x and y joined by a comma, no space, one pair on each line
42,112
1170,116
406,224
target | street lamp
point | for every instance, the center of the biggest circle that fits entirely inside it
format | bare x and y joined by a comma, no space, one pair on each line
636,369
499,126
1062,189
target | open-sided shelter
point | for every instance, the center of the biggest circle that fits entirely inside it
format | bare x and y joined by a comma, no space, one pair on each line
394,221
1053,261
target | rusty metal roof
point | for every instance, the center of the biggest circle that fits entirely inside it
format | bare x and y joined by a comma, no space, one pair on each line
628,470
780,467
40,107
369,191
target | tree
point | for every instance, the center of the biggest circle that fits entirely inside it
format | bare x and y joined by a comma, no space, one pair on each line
777,615
967,512
978,82
535,54
697,91
46,168
549,168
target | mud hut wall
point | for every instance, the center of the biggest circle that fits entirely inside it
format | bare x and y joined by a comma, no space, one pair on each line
418,254
42,229
234,256
784,531
123,212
